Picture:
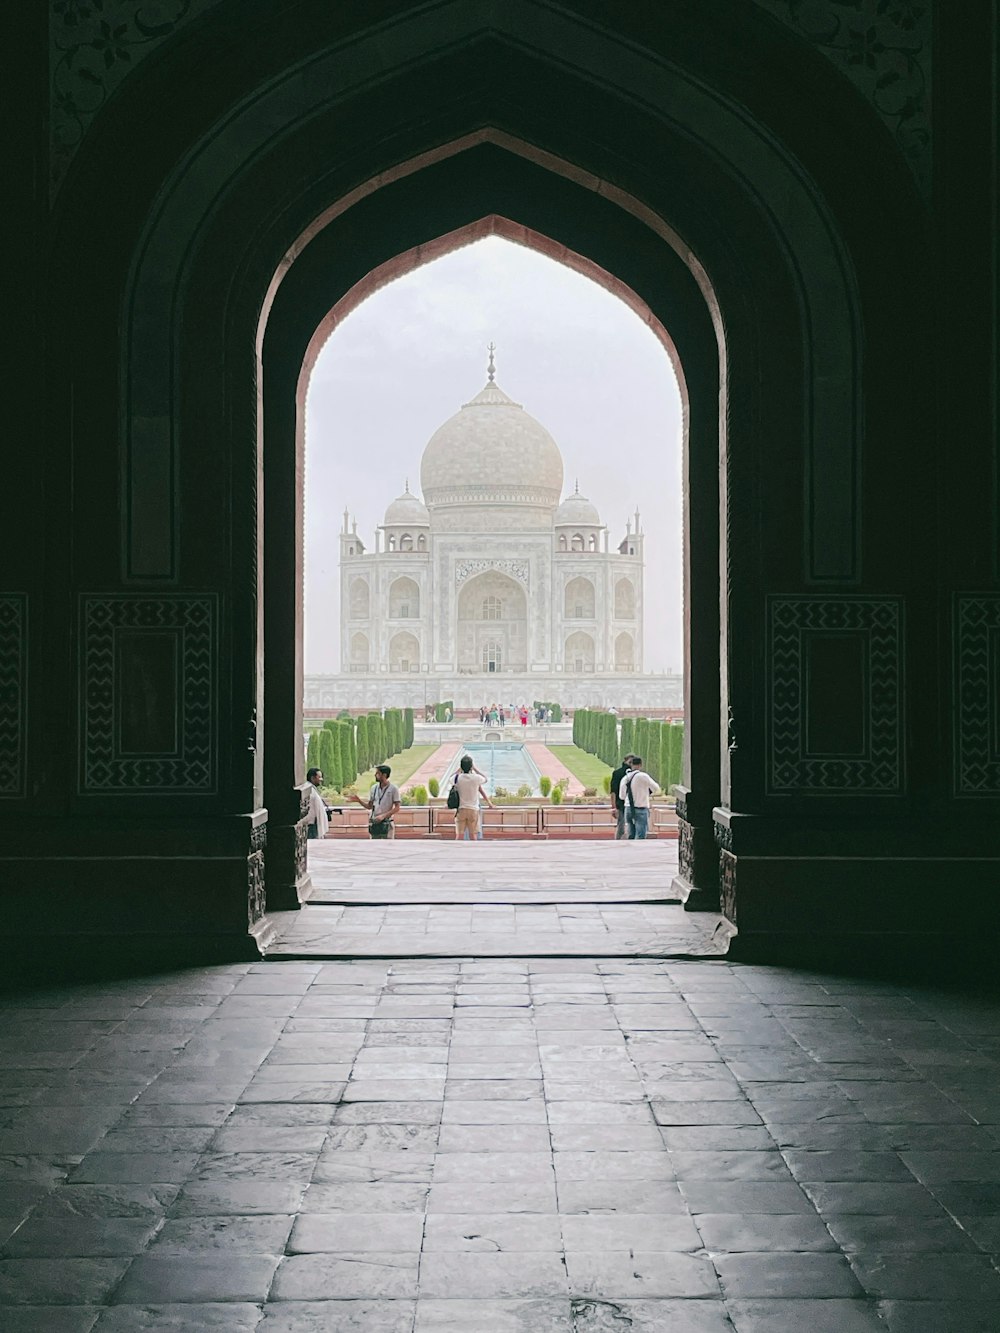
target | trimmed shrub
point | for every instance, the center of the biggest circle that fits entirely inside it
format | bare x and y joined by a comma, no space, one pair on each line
329,759
312,751
557,795
363,758
606,784
544,784
419,794
407,728
434,787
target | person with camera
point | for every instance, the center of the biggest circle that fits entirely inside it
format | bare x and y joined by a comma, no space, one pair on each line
468,790
383,804
319,811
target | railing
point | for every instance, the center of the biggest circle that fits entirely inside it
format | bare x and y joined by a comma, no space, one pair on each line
510,821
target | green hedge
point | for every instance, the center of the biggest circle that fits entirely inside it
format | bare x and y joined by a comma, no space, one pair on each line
547,703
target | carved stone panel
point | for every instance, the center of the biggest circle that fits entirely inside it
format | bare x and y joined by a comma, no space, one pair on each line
863,753
13,694
976,695
148,694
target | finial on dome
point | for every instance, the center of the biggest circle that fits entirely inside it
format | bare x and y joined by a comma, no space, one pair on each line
576,486
491,368
406,489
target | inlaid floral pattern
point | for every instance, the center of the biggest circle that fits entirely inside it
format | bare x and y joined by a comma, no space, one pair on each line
94,45
884,48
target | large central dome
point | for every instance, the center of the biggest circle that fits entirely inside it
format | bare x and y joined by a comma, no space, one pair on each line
491,451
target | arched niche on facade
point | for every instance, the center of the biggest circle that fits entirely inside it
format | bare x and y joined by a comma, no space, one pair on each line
361,654
359,599
271,207
579,652
492,609
624,652
579,600
404,599
624,599
404,652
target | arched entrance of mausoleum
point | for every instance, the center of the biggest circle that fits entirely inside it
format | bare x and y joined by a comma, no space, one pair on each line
722,211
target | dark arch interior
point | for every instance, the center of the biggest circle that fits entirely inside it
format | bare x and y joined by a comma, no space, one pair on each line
713,160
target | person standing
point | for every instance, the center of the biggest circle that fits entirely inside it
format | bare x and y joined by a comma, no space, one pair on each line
636,789
469,793
319,811
617,803
383,804
502,716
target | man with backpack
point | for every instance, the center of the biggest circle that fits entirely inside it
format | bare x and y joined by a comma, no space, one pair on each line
636,789
617,802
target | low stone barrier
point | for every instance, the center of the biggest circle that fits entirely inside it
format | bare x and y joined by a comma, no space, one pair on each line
504,821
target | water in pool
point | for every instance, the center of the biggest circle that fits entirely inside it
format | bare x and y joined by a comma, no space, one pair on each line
506,765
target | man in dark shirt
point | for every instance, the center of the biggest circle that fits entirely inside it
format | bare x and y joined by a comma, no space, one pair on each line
617,804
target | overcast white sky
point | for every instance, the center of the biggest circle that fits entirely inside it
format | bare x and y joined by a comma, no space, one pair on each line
574,356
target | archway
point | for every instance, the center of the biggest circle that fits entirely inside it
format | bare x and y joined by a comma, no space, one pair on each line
404,599
624,599
492,624
579,599
624,652
404,652
767,329
579,654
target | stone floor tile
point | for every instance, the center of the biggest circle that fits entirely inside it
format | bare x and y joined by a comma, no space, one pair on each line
388,1112
501,1089
270,1090
58,1281
270,1138
494,1316
287,1167
484,1276
638,1165
231,1235
346,1316
620,1196
715,1138
365,1197
744,1196
518,1196
875,1234
417,1139
798,1316
49,1318
201,1278
703,1112
619,1275
599,1113
332,1233
494,1139
761,1165
783,1275
80,1237
843,1165
666,1232
495,1112
489,1167
606,1138
324,1277
222,1317
953,1316
491,1233
233,1198
132,1168
882,1197
176,1114
735,1233
950,1277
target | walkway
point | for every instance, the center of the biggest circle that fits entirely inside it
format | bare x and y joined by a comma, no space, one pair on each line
513,899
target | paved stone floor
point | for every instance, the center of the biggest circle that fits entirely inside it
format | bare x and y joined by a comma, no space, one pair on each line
541,1145
509,899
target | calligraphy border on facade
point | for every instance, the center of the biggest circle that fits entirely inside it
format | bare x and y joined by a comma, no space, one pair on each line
976,673
13,696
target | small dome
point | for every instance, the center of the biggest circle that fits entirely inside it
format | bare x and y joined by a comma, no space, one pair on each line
492,445
578,512
407,511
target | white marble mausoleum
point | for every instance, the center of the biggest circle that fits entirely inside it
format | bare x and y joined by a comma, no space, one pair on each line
491,586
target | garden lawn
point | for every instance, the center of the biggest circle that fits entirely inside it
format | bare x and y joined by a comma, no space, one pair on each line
403,766
587,767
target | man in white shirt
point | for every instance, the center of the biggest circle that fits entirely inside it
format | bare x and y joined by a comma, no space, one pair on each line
469,792
636,789
319,811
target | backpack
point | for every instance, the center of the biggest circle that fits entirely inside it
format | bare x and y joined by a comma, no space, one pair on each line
454,800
